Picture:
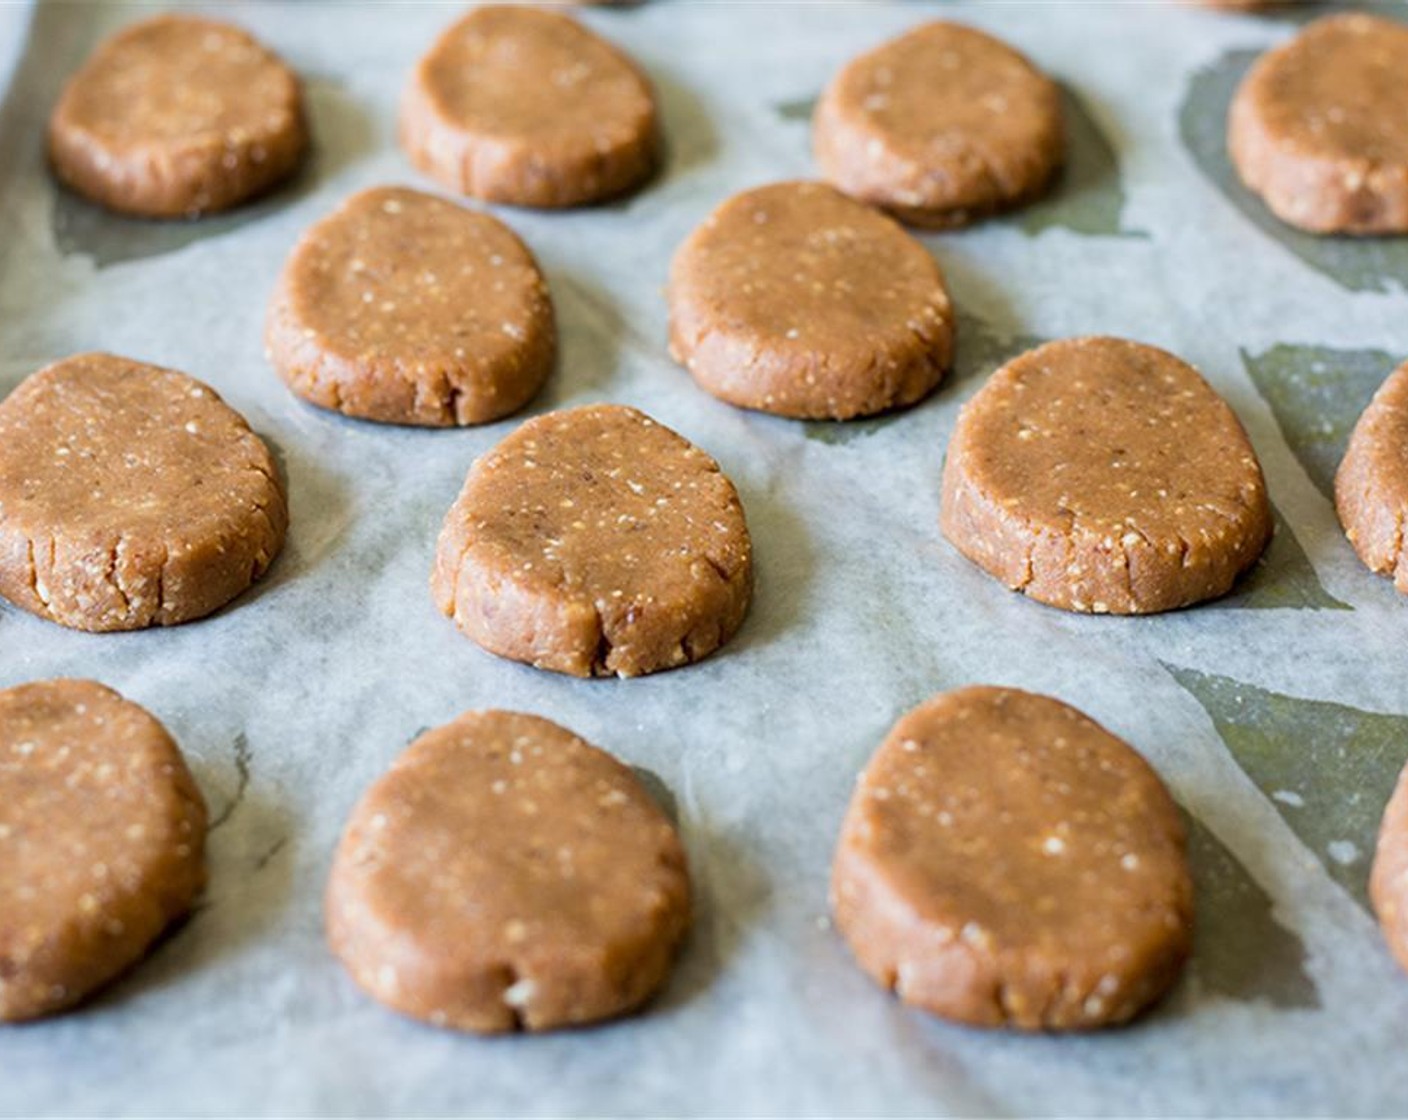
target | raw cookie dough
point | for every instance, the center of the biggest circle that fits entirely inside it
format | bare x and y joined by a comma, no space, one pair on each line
941,126
177,116
595,541
1318,128
506,875
797,300
130,496
1101,475
1006,861
1371,486
1388,882
102,840
529,107
409,309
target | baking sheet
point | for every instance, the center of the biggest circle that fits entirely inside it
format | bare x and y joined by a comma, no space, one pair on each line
1279,716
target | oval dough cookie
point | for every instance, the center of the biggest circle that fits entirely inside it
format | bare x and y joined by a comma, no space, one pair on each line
130,496
1101,475
1317,127
1371,486
595,541
505,874
177,116
102,839
941,126
408,309
525,106
1388,881
797,300
1006,861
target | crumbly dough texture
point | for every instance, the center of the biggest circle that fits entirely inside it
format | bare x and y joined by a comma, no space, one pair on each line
1006,861
941,126
506,875
1317,127
1101,475
797,300
1371,486
595,541
409,309
528,107
130,496
102,838
177,116
1388,880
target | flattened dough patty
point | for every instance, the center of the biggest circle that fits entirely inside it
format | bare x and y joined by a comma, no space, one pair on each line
797,300
1102,475
409,309
102,839
1318,129
177,116
941,126
1388,881
1006,861
529,107
130,496
505,874
1371,486
595,541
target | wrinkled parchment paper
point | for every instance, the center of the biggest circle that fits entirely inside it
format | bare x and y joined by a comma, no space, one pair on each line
1279,716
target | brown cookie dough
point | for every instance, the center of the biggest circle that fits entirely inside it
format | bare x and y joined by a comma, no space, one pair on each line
797,300
526,106
177,116
1101,475
941,126
408,309
1006,861
595,541
1371,486
102,839
1317,127
507,875
130,496
1388,881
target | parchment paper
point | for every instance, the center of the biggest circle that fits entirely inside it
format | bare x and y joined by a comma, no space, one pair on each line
1279,717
